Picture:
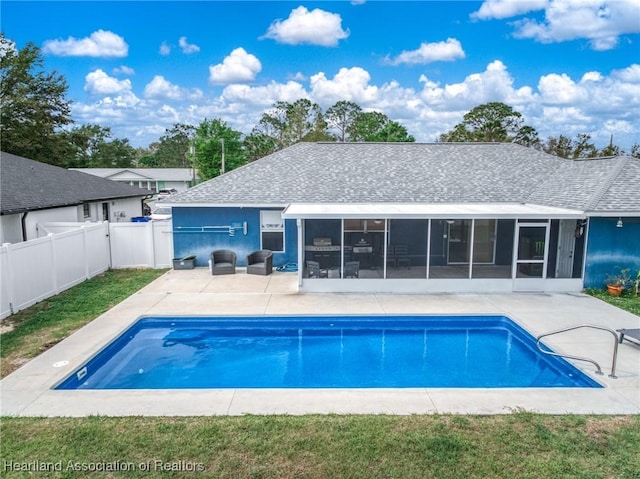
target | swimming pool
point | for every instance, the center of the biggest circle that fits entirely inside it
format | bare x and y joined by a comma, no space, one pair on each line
324,352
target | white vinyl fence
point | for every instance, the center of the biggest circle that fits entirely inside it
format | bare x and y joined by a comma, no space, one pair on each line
74,252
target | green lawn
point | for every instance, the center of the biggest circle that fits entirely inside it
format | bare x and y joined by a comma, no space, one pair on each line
520,445
33,330
627,301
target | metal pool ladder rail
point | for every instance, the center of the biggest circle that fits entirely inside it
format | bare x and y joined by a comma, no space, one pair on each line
599,369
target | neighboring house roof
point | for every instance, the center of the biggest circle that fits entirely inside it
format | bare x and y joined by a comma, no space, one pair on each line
136,174
28,185
405,173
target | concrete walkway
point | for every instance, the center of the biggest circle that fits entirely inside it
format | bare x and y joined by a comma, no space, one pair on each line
27,392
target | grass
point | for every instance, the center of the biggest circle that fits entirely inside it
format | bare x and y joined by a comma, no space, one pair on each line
628,301
33,330
521,445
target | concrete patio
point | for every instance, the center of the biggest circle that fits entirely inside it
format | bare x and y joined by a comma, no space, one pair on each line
28,391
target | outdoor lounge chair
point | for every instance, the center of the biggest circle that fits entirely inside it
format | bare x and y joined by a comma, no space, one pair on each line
352,269
260,262
314,270
223,261
632,333
401,254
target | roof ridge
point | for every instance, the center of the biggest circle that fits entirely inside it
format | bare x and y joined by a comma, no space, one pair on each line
600,192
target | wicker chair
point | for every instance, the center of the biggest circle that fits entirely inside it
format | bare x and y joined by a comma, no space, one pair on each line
260,262
223,261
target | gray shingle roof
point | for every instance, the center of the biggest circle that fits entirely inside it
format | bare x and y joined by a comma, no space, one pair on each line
28,185
413,173
156,174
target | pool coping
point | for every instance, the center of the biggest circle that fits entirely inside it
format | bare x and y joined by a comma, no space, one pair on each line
27,391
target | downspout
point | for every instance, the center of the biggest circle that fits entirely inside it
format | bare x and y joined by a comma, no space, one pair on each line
23,222
300,250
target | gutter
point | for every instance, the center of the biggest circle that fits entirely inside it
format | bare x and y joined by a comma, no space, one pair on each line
23,222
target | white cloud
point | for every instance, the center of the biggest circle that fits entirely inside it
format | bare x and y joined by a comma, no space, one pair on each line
494,84
558,89
446,51
350,84
187,48
316,27
99,83
630,74
124,70
265,95
161,88
601,22
238,67
596,102
100,44
507,8
165,49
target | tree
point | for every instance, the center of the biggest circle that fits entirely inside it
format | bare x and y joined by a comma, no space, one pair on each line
341,117
492,122
33,105
285,125
91,146
581,147
259,144
215,140
172,149
561,146
584,148
376,126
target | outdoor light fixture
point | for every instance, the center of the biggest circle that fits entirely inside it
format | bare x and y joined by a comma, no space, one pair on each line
619,223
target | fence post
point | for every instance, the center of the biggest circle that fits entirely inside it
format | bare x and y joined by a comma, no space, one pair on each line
151,255
85,248
9,285
54,262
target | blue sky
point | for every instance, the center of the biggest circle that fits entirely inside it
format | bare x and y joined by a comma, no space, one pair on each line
569,66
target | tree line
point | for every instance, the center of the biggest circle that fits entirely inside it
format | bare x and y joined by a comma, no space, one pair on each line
36,123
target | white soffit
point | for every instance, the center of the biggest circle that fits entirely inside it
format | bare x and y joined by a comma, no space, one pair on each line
444,210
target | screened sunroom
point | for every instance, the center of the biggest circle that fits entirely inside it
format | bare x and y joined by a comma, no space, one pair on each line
442,247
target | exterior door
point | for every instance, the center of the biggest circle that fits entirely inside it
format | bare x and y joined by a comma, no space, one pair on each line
105,212
531,252
566,249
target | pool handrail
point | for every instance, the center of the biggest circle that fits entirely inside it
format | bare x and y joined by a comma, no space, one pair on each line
578,358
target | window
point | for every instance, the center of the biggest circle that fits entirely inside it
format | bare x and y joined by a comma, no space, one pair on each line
86,210
271,230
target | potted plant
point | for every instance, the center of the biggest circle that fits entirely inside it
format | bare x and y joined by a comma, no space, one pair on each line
616,283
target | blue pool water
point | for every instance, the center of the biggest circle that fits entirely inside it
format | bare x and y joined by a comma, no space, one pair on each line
324,352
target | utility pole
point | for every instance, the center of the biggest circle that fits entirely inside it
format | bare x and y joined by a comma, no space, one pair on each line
192,152
222,169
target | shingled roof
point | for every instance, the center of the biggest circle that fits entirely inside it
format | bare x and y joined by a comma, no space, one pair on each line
403,173
28,185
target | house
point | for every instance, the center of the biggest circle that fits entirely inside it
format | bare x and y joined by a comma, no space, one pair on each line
154,179
33,193
410,217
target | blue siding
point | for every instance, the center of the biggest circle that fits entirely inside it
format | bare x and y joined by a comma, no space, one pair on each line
610,249
202,244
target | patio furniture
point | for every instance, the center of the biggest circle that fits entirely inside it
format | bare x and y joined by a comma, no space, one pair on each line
632,333
223,261
260,262
352,269
401,255
314,271
391,259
